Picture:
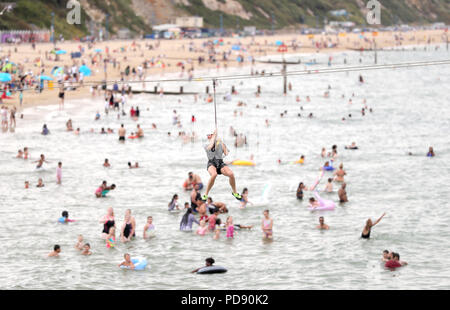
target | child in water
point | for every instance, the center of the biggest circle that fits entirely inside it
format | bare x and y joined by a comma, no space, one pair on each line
217,229
86,249
79,244
127,263
149,228
202,228
65,218
111,238
329,186
230,227
55,252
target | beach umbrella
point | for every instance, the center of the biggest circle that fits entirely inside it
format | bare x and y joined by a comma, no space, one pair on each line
5,77
57,71
7,67
45,78
85,70
60,52
278,43
235,47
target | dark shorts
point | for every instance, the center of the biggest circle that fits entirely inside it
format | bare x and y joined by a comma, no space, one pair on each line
61,95
121,138
218,163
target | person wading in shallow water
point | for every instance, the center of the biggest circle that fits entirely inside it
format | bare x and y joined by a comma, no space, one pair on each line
215,150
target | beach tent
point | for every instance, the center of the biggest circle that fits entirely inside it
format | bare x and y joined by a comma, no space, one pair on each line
85,70
235,47
5,77
98,50
60,52
279,43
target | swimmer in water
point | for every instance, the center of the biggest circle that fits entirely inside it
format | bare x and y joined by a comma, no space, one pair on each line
215,149
202,229
342,193
395,261
79,245
187,221
41,161
55,252
216,206
300,189
322,225
208,263
27,184
368,228
192,180
329,186
244,200
45,130
59,173
140,132
19,154
127,263
387,256
267,225
340,173
352,147
431,152
313,203
230,227
128,230
106,164
149,227
64,217
173,204
136,165
86,249
40,183
111,238
104,189
25,153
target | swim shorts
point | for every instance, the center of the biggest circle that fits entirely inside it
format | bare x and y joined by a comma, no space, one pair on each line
217,163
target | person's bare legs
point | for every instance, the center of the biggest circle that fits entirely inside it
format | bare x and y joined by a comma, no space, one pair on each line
213,173
226,171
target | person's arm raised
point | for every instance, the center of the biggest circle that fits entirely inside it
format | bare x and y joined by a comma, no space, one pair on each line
379,219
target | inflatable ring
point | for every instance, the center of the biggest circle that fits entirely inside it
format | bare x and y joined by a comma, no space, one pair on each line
243,163
211,270
139,264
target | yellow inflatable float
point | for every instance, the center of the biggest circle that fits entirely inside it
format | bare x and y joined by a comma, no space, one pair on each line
243,163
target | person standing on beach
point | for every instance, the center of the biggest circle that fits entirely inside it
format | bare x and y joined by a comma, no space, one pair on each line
122,133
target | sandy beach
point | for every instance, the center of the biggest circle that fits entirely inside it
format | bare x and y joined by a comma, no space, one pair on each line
172,52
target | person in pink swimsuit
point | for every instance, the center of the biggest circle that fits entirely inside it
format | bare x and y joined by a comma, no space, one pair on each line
267,225
59,173
230,227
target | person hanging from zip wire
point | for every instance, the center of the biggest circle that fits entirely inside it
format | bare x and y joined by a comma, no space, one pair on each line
215,150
